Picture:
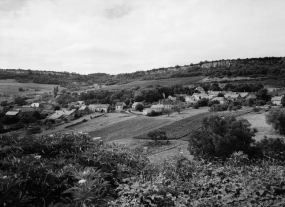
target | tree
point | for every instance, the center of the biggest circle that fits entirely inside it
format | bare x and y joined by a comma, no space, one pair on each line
177,108
219,137
283,101
168,111
276,118
262,95
157,135
139,107
21,89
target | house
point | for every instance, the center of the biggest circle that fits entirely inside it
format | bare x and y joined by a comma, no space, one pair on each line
222,100
213,94
12,113
277,100
172,98
63,114
156,108
190,99
84,110
120,106
134,105
234,97
99,107
250,96
166,104
243,95
80,103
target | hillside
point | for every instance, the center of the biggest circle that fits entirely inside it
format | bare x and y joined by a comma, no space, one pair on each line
268,67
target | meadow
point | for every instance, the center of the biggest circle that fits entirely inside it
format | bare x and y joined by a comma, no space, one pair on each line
162,82
11,87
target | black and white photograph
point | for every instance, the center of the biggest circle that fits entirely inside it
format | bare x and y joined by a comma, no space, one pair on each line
142,103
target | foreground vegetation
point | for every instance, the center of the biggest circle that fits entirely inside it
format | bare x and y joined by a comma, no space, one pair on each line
75,170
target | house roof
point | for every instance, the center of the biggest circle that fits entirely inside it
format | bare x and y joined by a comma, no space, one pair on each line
57,114
218,99
83,107
136,103
12,113
166,102
80,102
277,98
120,104
234,96
157,106
244,94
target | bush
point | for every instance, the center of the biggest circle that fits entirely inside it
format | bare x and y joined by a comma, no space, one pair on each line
195,106
203,102
272,148
220,137
34,130
154,113
157,135
276,118
139,107
211,103
218,107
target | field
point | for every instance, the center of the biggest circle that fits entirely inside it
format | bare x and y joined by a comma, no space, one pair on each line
258,121
163,82
10,86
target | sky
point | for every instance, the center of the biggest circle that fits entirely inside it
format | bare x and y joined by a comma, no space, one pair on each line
122,36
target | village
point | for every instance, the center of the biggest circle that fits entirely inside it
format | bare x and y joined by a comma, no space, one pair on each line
49,113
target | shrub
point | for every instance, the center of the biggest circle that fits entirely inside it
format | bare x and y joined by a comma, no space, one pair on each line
220,137
276,118
139,107
157,135
211,103
195,106
218,107
272,148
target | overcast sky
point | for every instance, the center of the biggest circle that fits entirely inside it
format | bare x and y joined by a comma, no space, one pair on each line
118,36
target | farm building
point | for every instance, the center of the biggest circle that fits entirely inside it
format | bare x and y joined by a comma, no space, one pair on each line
84,110
234,97
62,114
277,100
120,106
99,107
134,105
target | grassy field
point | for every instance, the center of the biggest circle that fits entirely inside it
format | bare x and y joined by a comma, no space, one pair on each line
163,82
258,121
10,86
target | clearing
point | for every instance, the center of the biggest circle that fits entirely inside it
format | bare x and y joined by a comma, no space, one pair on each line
162,82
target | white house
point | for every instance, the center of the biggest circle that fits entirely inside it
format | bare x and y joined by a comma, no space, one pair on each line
190,99
120,106
99,107
277,100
